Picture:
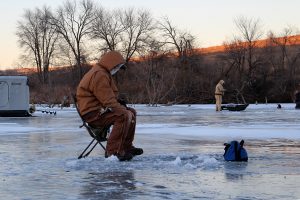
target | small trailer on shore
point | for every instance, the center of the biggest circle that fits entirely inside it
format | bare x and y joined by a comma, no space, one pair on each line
14,98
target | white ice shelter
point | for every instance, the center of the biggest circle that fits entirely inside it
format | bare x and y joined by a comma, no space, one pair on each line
14,96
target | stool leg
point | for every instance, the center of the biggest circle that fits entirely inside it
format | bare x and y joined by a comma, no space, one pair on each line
81,155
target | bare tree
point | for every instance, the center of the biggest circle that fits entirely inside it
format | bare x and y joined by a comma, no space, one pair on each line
107,28
243,58
182,41
286,62
38,37
235,57
73,22
137,25
160,80
250,33
126,30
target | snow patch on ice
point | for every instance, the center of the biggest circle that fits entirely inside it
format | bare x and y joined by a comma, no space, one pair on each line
177,161
210,162
112,159
190,166
185,161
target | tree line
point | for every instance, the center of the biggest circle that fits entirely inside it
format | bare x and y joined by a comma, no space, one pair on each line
165,64
79,31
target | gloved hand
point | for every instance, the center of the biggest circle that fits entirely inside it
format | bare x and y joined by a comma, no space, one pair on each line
122,102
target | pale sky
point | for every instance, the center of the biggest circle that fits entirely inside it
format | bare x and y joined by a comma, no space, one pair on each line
211,21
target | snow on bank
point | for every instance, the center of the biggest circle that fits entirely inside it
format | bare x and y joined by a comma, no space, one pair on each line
257,121
250,133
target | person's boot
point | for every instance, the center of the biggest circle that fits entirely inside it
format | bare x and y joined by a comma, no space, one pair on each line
136,151
126,157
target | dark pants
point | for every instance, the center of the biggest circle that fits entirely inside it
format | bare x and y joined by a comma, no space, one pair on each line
122,134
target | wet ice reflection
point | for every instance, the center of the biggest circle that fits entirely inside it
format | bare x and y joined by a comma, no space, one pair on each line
183,156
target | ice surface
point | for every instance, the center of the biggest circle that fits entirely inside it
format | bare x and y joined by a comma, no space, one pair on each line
183,148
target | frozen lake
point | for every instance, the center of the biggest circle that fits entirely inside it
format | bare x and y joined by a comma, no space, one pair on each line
183,148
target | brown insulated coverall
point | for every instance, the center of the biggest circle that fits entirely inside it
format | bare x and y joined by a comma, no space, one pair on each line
97,91
219,92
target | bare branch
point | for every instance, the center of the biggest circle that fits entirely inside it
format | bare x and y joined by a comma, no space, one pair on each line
73,22
38,37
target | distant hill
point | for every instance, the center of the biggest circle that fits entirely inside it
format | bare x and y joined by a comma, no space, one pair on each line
292,40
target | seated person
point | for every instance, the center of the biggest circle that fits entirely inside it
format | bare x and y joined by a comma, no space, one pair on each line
97,97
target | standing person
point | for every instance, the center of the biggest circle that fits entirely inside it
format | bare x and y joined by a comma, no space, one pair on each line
98,103
219,92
